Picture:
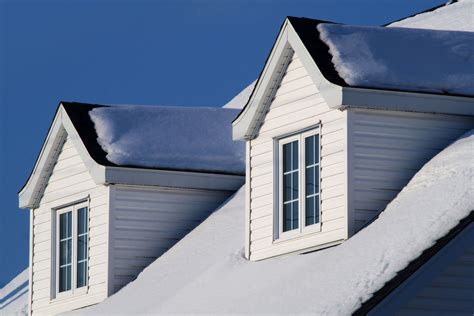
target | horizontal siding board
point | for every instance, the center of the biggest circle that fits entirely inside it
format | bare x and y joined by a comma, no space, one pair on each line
390,147
149,221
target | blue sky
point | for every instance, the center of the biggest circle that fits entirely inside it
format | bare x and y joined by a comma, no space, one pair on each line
181,52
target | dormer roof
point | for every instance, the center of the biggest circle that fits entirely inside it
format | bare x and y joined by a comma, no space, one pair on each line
143,145
304,37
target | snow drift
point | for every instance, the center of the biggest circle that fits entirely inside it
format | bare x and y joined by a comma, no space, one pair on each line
457,16
14,295
241,99
401,58
177,138
206,272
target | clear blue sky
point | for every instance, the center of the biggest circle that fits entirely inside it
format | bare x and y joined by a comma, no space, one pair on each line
194,53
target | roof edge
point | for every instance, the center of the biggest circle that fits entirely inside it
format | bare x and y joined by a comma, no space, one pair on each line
413,266
421,12
61,127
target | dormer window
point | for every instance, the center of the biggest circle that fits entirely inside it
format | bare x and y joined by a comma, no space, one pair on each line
298,210
72,248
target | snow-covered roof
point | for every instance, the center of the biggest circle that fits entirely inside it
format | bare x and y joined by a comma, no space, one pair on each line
453,16
404,59
14,295
206,273
164,137
396,69
241,99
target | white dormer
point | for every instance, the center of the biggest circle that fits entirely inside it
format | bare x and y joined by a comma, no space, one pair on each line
325,157
114,188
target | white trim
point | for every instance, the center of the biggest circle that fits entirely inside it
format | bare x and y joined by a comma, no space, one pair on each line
111,238
248,178
278,234
30,272
349,170
174,179
245,127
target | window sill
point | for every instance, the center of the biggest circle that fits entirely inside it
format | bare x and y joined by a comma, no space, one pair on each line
69,295
295,235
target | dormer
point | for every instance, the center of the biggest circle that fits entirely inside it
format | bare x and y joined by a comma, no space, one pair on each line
326,151
114,188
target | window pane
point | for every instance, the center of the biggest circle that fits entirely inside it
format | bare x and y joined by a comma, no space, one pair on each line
295,186
287,156
312,210
309,150
287,187
290,216
81,247
65,225
82,220
295,154
65,252
312,180
81,274
65,278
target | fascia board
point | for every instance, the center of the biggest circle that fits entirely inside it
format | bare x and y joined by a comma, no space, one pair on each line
407,101
243,126
26,195
61,123
175,179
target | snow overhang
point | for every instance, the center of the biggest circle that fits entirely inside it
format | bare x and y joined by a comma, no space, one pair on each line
299,35
66,123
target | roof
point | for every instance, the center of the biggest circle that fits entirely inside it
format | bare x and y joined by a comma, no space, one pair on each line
140,145
453,16
401,59
216,279
322,53
323,40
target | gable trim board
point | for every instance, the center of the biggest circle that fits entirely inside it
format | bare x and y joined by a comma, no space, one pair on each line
67,123
413,267
301,36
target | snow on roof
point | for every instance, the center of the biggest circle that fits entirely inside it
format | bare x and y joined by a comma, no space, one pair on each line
457,16
14,295
401,58
177,138
241,99
206,273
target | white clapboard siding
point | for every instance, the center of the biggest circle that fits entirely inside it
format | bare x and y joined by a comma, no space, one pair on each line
388,148
69,182
149,221
297,105
442,286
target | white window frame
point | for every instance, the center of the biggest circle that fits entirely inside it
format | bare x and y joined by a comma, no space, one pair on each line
73,208
279,234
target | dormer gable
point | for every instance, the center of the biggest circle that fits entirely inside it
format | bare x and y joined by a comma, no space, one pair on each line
61,128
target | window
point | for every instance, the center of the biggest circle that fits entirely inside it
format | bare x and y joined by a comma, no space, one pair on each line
298,181
72,233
